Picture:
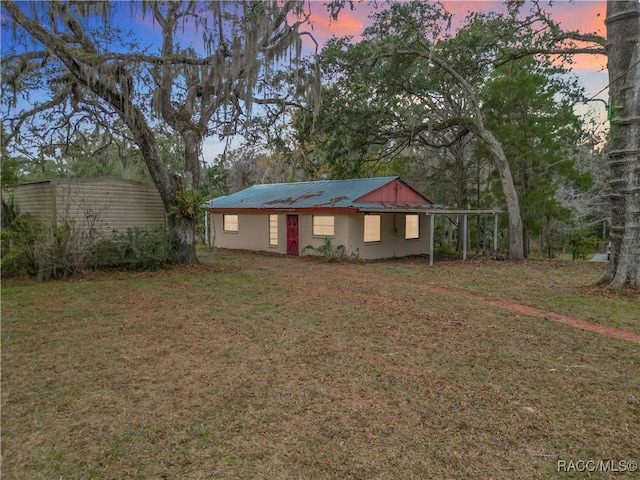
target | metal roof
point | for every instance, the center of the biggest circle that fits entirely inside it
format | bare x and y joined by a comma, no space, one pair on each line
311,195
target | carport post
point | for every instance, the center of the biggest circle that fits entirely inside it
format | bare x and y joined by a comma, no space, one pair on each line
495,234
464,238
431,233
206,228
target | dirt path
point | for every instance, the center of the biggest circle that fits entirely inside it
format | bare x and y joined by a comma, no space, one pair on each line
525,310
536,312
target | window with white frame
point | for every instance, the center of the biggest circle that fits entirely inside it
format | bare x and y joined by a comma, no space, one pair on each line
412,226
371,228
230,223
273,230
323,226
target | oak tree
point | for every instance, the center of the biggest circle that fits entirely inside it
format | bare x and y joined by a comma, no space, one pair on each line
74,64
412,80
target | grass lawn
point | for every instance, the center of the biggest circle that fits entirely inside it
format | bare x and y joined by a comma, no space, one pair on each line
269,367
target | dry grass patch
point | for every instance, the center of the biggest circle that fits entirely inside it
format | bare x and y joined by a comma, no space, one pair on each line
564,287
272,367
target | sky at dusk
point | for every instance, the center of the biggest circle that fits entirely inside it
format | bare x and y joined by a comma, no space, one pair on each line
586,16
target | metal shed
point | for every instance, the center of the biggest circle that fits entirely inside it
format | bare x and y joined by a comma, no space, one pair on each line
99,205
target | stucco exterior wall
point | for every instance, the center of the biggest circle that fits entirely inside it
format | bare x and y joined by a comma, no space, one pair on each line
340,229
253,234
392,237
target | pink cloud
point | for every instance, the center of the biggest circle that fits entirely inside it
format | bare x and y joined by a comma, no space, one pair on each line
461,9
583,15
586,16
349,22
591,70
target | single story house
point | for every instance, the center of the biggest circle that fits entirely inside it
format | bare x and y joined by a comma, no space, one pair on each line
99,205
371,217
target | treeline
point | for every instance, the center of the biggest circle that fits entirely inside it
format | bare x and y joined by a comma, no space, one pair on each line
474,117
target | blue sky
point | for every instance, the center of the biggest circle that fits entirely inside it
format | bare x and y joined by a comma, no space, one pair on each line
582,15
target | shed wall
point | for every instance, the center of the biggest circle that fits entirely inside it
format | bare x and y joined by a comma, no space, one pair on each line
102,204
109,205
36,199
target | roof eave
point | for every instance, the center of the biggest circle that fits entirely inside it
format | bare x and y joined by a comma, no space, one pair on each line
260,210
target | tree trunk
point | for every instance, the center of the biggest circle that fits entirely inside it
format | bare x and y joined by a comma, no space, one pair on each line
106,86
460,231
184,231
623,33
516,244
186,228
516,247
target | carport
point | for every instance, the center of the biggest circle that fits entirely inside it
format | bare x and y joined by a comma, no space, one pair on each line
431,214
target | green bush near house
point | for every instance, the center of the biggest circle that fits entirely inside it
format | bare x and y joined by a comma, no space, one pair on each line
448,251
329,251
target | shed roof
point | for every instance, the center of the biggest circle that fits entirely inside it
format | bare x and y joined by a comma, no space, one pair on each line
85,180
320,195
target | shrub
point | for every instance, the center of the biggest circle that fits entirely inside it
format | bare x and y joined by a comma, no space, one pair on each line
582,245
22,239
329,251
62,253
31,247
447,251
135,249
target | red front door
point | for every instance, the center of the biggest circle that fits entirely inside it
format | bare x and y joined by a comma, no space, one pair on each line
292,235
